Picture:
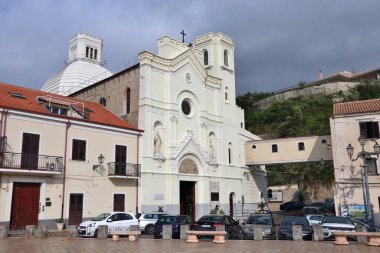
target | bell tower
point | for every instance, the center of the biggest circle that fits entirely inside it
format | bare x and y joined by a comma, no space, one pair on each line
85,47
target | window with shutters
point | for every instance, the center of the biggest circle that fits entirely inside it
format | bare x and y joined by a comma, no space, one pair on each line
369,129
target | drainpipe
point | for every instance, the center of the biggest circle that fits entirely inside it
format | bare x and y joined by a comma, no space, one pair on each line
68,124
3,122
137,180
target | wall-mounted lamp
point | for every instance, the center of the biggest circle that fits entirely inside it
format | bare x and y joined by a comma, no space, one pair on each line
100,161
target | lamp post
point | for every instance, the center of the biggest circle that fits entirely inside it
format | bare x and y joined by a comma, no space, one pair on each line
364,171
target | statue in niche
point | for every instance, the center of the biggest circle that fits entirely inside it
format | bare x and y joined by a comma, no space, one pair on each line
212,158
157,143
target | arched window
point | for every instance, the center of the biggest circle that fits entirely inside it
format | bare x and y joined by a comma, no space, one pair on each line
226,57
301,146
274,148
103,101
205,57
229,152
128,100
226,93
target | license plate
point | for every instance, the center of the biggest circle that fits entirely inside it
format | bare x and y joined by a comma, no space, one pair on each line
206,226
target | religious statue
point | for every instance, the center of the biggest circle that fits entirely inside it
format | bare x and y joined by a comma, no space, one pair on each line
157,143
212,158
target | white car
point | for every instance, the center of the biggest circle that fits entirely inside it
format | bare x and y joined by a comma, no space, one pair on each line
314,219
147,221
113,220
336,224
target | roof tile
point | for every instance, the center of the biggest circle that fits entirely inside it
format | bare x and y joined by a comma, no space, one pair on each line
357,107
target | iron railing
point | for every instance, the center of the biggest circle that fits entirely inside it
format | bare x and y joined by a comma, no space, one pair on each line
11,160
124,169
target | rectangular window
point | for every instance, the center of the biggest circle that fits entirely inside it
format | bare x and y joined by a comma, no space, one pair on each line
91,52
214,196
87,51
369,129
371,166
79,150
118,202
95,54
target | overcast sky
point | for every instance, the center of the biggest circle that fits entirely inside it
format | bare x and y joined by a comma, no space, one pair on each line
278,43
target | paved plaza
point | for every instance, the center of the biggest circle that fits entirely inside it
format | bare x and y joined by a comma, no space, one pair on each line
62,245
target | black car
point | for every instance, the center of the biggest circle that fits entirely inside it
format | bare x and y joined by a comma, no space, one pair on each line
330,208
265,220
211,221
175,220
285,231
292,206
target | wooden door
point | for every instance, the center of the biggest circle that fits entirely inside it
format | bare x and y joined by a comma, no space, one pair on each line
30,148
187,198
120,160
76,208
119,202
25,205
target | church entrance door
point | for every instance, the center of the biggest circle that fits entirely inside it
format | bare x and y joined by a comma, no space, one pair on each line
187,198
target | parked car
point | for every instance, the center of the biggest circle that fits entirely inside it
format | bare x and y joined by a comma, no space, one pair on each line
292,206
364,224
89,228
336,223
147,221
175,220
211,221
314,219
266,220
325,206
285,231
316,210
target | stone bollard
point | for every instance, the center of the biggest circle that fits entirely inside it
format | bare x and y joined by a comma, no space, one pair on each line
4,231
41,232
134,228
318,233
73,231
297,232
102,231
361,239
257,232
184,228
30,230
167,232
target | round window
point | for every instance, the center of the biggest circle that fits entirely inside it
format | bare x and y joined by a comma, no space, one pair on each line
186,107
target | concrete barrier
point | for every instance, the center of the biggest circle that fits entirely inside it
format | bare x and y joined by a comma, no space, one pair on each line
167,232
102,231
257,232
183,234
30,230
41,231
297,232
4,231
318,233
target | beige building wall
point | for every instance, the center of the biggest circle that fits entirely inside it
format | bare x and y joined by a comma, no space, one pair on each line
316,148
348,191
96,185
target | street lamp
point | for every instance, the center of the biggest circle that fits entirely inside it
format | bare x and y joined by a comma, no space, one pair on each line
364,172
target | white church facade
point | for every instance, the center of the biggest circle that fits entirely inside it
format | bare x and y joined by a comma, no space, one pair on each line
192,149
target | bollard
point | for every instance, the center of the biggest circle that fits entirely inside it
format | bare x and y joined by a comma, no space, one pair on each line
102,231
29,231
4,231
134,228
220,228
257,232
361,239
167,232
184,228
297,232
318,233
41,231
73,231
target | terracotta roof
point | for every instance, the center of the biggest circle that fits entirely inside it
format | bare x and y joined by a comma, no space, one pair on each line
357,107
30,103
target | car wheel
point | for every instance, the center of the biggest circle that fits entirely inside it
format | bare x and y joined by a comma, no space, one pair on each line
149,229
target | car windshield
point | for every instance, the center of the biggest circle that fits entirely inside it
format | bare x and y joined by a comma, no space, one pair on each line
340,220
295,221
316,217
211,218
168,219
260,220
101,216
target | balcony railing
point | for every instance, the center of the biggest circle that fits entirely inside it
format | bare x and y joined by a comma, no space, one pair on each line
123,169
10,160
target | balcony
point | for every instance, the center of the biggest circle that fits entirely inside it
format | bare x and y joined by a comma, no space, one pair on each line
30,164
123,170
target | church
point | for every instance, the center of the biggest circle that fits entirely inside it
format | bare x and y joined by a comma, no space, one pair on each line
183,97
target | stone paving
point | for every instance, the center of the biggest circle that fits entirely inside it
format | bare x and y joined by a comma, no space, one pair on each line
90,245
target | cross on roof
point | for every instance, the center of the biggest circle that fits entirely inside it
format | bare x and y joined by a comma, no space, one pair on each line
183,36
